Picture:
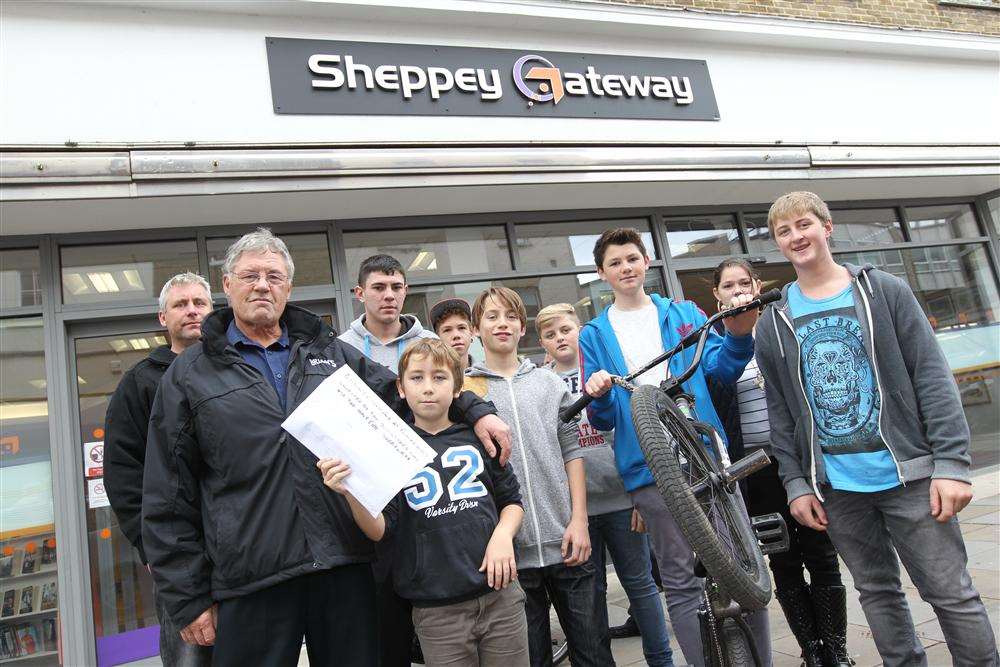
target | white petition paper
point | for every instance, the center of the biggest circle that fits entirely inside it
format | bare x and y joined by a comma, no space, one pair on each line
344,419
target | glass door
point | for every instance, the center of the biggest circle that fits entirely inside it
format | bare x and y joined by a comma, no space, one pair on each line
123,602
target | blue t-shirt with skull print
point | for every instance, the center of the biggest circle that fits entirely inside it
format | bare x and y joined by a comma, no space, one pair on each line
842,392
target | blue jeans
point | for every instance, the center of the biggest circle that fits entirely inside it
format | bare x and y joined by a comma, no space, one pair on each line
571,592
874,532
630,555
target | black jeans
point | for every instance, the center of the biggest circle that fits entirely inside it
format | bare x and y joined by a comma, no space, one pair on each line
333,609
571,592
809,548
174,651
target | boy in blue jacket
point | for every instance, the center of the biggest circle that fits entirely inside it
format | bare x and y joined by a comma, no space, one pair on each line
455,527
629,333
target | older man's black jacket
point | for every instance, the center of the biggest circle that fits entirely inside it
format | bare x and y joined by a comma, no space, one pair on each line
125,428
232,504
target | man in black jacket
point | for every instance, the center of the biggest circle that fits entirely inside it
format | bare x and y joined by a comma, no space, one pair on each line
249,550
184,302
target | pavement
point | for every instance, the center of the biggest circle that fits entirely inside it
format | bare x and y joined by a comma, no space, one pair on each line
980,523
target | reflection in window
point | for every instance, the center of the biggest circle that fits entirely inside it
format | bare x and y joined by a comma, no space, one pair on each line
957,291
703,235
567,244
588,293
994,207
758,235
123,272
28,548
443,251
864,227
19,281
310,252
942,223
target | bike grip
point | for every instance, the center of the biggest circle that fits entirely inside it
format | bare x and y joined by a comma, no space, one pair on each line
769,297
576,408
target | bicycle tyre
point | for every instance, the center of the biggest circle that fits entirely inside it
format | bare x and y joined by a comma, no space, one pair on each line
653,414
735,645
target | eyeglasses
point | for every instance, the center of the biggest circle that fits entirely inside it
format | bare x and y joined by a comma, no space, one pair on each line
272,277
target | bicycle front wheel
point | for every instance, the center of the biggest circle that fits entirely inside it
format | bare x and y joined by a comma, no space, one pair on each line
714,522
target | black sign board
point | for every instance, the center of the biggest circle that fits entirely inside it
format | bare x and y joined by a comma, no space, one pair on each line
366,78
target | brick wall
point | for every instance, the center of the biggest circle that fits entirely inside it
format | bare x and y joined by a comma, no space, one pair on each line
919,14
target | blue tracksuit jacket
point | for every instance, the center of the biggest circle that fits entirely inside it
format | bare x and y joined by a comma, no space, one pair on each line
724,358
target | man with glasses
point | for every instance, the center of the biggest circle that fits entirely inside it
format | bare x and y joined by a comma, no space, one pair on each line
185,300
250,551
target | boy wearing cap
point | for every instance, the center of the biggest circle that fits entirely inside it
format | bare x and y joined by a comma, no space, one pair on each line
451,320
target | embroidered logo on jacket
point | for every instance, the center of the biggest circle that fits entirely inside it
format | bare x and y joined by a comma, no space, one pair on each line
325,362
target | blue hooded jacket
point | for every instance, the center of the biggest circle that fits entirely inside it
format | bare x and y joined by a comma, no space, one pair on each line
724,358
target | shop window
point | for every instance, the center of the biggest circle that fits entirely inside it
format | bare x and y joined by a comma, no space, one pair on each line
942,223
442,251
758,235
28,551
697,285
957,291
588,293
123,599
994,207
123,271
861,227
563,245
702,236
310,252
20,284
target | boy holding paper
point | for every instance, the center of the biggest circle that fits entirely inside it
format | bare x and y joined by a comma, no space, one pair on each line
454,527
553,550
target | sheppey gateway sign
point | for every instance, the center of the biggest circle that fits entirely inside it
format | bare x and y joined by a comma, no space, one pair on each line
311,76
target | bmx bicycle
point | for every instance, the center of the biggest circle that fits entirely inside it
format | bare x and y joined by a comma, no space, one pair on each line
698,482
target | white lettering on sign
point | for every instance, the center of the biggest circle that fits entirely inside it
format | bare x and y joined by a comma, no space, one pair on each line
335,71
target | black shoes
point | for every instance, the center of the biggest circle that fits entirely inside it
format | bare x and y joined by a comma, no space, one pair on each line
830,603
798,608
627,629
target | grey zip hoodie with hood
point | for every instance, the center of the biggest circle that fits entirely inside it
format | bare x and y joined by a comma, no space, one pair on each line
387,354
542,445
921,421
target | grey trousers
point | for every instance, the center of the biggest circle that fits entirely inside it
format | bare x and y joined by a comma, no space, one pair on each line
869,530
683,589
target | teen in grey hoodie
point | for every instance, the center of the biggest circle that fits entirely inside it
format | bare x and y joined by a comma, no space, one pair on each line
387,353
859,327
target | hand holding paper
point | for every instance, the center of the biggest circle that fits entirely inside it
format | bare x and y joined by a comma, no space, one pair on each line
344,419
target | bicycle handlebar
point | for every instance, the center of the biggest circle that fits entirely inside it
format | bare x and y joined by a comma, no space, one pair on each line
698,336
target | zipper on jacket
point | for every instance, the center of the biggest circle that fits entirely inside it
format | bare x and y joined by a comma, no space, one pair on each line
527,476
805,397
878,382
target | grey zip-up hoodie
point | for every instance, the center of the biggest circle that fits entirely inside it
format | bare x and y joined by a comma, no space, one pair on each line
921,420
542,445
605,489
387,354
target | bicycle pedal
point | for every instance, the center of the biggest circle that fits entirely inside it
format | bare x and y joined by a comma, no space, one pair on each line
772,533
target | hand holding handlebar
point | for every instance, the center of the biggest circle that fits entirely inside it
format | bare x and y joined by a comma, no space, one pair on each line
601,381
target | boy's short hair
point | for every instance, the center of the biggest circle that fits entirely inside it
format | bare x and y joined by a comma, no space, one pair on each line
444,309
379,264
617,236
503,295
797,203
550,314
442,356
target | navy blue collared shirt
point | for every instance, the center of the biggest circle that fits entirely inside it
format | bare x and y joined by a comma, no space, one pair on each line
272,361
